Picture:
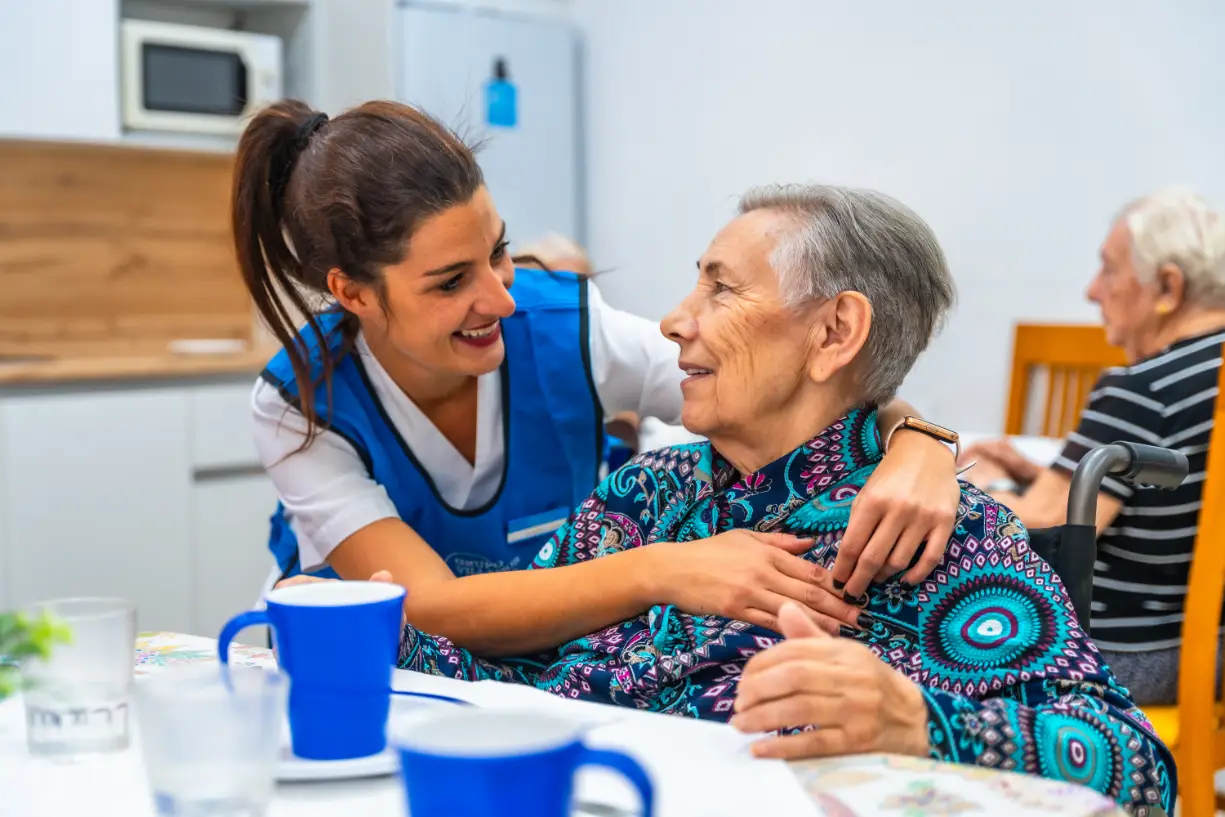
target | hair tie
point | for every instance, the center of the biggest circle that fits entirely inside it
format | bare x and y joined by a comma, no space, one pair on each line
307,129
279,181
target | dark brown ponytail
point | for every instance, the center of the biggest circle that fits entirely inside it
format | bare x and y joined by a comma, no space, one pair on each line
312,195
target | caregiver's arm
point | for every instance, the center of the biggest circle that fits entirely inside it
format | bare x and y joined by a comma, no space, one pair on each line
344,519
911,499
740,574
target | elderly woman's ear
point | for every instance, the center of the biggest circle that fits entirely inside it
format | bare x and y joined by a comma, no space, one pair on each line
1173,286
839,331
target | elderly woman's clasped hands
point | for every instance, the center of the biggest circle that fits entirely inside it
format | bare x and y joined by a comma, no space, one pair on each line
854,702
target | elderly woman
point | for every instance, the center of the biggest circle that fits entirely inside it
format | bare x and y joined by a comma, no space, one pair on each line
1161,292
810,309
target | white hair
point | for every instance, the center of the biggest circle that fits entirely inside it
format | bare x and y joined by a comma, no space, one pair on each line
863,241
557,251
1177,226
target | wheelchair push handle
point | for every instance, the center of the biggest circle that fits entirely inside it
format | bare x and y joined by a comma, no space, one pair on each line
1158,467
1133,463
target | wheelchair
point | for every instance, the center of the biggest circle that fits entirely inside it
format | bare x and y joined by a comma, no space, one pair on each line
1071,549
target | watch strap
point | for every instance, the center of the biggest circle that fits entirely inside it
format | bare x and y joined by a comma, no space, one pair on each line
938,433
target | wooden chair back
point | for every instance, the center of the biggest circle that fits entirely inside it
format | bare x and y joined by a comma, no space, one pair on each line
1066,361
1200,718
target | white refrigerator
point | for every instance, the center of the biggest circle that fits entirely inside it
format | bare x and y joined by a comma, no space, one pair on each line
513,83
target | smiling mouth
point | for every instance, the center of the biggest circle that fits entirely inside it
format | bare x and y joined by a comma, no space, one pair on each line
694,374
481,335
480,332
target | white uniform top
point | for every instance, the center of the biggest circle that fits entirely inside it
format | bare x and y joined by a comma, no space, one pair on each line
328,494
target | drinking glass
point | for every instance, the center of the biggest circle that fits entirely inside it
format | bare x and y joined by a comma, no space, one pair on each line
212,739
77,700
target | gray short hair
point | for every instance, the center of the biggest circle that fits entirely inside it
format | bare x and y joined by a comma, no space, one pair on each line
1176,226
863,241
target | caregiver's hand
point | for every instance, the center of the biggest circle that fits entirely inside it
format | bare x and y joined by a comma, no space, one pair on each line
746,576
911,498
857,703
380,576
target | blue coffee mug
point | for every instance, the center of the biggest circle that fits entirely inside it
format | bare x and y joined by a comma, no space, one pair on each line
477,762
338,642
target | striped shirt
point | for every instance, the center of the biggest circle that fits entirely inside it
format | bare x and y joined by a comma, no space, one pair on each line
1144,557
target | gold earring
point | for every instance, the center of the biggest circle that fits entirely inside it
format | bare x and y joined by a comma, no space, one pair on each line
1163,309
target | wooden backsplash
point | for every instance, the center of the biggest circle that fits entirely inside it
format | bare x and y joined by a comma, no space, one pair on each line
116,246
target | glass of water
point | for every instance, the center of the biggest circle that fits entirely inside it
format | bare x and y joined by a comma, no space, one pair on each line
211,740
77,700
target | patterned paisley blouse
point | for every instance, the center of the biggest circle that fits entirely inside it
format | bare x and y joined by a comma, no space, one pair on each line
1010,679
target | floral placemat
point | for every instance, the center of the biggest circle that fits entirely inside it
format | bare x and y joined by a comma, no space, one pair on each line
155,651
893,786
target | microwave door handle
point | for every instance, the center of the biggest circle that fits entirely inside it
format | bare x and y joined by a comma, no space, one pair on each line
242,71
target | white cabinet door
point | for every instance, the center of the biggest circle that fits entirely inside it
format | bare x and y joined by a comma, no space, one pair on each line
230,550
96,492
222,428
61,69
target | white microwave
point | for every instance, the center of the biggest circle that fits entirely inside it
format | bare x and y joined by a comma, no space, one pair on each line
195,80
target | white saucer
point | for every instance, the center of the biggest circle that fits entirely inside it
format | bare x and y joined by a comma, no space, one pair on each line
292,768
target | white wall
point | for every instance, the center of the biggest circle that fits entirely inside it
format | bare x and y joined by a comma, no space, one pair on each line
1016,130
356,53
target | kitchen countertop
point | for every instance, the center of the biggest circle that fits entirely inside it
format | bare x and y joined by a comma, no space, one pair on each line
79,363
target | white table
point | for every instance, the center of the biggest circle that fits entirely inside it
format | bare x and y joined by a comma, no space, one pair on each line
1042,450
698,768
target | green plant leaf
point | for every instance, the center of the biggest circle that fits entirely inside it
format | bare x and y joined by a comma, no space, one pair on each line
22,637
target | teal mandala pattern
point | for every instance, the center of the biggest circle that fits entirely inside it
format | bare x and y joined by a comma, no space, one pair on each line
989,621
1010,680
1077,750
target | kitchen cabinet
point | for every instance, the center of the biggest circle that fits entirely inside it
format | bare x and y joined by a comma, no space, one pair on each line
61,69
221,428
97,492
150,492
230,560
231,501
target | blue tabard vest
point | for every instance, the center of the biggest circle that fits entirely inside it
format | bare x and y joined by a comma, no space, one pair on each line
553,433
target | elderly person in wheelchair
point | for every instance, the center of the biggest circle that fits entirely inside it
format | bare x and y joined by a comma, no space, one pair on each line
809,309
1161,292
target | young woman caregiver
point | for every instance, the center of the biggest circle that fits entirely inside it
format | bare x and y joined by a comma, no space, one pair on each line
444,414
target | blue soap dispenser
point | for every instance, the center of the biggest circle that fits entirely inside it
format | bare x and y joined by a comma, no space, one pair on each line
501,97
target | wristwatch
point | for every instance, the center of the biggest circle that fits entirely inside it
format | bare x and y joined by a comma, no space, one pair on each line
940,433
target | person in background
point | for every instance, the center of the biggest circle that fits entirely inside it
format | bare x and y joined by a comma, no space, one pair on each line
441,413
809,310
557,252
1161,292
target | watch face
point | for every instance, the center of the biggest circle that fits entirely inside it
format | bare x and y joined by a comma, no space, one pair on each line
936,431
